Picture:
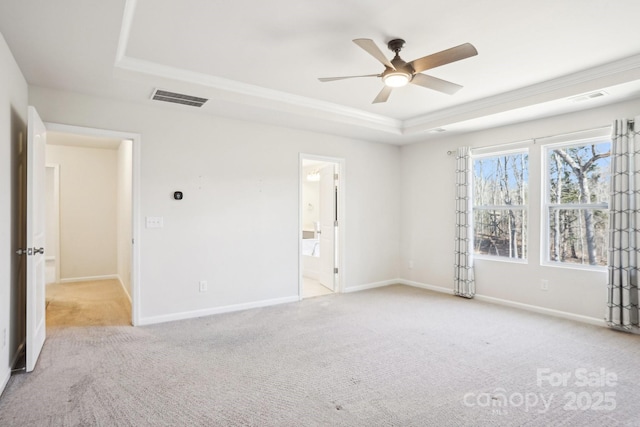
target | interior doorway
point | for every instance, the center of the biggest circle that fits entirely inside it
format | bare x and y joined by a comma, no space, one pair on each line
321,209
92,263
88,206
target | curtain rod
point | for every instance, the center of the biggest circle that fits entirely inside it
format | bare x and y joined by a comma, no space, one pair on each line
534,140
506,144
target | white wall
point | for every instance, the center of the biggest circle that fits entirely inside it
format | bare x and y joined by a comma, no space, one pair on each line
124,218
13,118
237,226
428,219
88,208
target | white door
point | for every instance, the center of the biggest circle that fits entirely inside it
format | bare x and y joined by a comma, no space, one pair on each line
36,316
327,226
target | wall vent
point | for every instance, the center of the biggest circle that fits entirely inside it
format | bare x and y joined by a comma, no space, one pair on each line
177,98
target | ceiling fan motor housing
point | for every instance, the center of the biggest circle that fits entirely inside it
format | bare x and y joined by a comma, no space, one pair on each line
396,45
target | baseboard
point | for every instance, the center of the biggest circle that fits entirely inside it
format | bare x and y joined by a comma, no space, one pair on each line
215,310
89,278
528,307
543,310
371,286
7,374
125,289
5,380
425,286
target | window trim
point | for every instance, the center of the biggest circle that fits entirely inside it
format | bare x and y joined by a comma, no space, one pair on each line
546,206
496,152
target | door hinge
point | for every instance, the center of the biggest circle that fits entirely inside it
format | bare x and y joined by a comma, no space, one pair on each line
335,223
335,176
335,270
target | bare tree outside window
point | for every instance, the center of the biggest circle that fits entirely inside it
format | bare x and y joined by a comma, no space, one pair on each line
577,198
500,204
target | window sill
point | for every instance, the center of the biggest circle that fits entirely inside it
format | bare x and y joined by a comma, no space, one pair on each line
500,259
569,266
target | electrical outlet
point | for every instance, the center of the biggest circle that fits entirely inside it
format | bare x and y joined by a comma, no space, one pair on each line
544,284
154,222
203,286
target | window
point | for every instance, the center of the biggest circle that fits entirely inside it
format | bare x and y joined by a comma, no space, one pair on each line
500,194
577,202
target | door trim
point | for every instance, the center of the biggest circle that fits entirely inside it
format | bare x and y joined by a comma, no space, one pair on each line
341,205
135,202
56,210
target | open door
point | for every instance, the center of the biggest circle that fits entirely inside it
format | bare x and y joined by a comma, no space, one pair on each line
327,272
36,315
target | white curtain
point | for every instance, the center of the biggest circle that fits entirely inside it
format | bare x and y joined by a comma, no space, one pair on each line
624,220
464,281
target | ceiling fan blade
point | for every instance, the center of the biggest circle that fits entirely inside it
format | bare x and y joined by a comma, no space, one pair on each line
383,95
447,56
373,50
331,79
435,83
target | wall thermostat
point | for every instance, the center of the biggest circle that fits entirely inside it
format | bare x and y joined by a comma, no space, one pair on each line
177,195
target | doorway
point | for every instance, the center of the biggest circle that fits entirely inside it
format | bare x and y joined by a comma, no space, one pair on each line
92,263
321,209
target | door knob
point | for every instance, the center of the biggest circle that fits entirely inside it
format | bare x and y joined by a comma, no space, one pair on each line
37,251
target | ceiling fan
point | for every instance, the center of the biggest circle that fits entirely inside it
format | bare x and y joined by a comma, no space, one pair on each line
398,73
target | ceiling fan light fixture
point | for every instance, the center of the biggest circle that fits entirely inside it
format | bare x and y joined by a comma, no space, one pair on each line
398,72
396,79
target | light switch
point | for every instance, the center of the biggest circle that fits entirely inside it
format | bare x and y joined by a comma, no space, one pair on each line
155,222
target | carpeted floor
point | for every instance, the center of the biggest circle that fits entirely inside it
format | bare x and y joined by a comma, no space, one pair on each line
393,356
92,303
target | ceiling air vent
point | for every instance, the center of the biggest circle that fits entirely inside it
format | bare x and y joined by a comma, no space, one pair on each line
178,98
588,96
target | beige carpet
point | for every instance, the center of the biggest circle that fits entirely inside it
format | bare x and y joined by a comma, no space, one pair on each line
394,356
94,303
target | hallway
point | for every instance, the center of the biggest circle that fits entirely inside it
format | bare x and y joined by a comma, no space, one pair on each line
92,303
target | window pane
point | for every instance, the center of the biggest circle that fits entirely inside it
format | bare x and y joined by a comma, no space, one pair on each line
501,180
578,236
500,232
579,174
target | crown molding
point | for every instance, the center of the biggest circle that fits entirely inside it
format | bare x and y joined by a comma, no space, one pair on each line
543,92
276,99
617,72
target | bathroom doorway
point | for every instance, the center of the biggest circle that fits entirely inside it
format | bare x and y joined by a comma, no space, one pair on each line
320,211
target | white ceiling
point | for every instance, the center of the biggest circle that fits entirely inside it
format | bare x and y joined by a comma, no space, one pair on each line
260,60
84,141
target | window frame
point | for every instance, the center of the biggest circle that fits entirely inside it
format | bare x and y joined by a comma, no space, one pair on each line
546,205
523,208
